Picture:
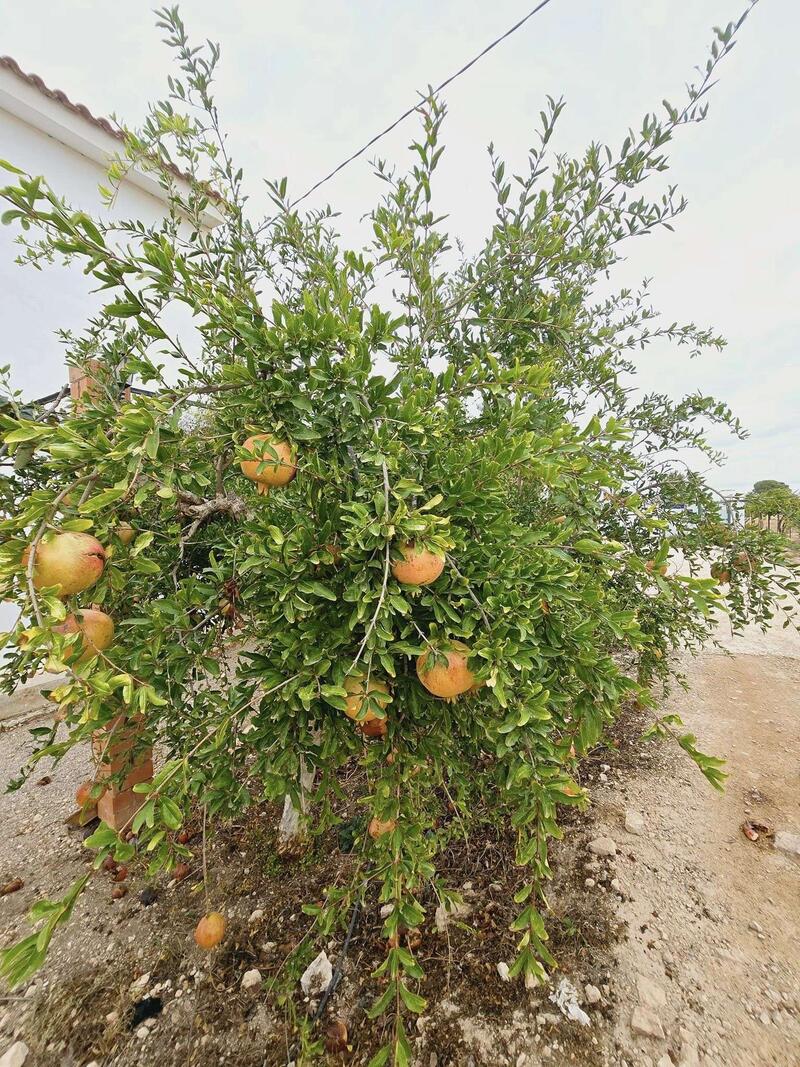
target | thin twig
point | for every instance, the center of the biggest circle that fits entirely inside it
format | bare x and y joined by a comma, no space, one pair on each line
472,596
386,560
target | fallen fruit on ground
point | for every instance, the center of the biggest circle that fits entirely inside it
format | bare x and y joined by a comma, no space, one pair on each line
69,561
97,631
418,566
448,679
182,870
378,827
210,930
378,691
274,462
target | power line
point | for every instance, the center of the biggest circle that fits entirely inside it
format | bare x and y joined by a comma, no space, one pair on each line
411,110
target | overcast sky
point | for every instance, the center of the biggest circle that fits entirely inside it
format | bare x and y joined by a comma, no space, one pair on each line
302,84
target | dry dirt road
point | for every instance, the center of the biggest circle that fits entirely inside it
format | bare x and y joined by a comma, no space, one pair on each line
710,965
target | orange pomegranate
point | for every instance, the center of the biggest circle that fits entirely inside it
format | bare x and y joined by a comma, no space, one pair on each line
210,930
374,728
378,691
69,561
378,827
96,627
450,679
273,463
418,566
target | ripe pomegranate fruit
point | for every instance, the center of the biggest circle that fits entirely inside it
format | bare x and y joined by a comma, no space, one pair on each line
70,561
418,566
97,631
354,685
210,930
448,680
374,728
272,466
378,827
742,562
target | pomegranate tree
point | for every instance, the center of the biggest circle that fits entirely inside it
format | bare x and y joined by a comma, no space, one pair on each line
463,559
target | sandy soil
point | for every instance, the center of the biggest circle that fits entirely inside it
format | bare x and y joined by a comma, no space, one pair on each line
713,946
706,969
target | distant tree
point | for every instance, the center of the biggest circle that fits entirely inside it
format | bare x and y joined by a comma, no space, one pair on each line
767,485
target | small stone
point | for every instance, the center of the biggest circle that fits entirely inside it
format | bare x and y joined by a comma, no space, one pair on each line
589,882
251,980
502,970
755,927
645,1021
270,946
603,846
317,976
593,994
386,910
786,842
256,916
602,777
443,915
764,1018
112,1018
634,823
142,1033
548,1018
15,1056
138,985
148,896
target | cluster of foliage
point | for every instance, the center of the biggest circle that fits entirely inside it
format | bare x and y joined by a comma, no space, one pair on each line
768,499
503,436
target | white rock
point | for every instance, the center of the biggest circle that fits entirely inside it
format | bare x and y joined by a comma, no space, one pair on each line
317,976
593,994
270,946
15,1056
251,980
138,985
565,999
443,915
616,885
634,823
502,970
142,1033
256,916
603,846
387,910
112,1018
645,1021
786,842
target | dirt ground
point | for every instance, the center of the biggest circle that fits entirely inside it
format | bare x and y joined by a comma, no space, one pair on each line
683,945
